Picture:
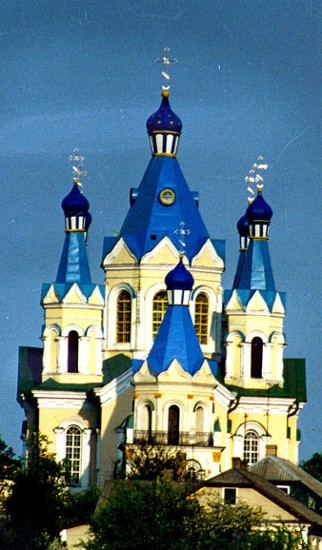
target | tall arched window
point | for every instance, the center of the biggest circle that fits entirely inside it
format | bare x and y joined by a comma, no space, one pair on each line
123,317
202,317
147,422
251,442
73,454
256,357
173,425
159,307
72,364
199,419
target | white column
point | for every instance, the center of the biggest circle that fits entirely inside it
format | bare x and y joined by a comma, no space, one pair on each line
62,354
83,354
245,360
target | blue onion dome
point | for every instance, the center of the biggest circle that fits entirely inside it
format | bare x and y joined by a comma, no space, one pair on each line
75,203
179,278
259,210
243,226
164,119
88,220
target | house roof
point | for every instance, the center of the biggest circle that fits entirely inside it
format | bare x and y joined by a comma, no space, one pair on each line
277,469
237,477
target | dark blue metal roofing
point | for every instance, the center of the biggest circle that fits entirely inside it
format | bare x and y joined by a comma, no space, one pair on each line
149,220
259,210
239,270
179,278
176,339
75,202
73,266
164,119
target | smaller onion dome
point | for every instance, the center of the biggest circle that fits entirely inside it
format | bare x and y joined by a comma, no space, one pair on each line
243,226
259,210
179,278
164,128
75,203
259,215
75,206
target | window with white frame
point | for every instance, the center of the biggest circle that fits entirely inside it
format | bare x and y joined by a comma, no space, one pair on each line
159,307
202,317
251,447
73,454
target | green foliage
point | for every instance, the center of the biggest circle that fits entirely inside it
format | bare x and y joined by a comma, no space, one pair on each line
149,462
313,466
140,515
9,466
160,515
79,507
35,505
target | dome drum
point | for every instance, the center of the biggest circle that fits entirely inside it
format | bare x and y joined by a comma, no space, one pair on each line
75,223
259,230
178,297
164,143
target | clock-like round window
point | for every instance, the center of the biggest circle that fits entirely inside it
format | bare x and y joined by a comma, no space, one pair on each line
167,196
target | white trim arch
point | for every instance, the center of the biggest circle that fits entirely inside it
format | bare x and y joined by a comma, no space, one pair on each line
85,445
111,312
62,356
94,338
50,338
246,355
234,342
148,311
239,435
277,343
180,405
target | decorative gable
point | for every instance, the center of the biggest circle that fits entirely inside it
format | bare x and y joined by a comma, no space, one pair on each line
175,373
96,298
74,296
119,255
257,303
235,303
51,296
163,253
278,306
207,257
144,374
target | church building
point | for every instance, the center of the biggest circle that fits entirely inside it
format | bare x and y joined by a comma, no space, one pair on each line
158,352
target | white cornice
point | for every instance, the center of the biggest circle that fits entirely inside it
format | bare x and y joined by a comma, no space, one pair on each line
114,388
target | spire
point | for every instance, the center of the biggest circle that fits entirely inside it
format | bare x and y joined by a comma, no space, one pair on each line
256,271
176,338
73,266
163,199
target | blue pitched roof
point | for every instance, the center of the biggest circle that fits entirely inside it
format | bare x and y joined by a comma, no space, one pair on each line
176,339
256,272
73,266
148,220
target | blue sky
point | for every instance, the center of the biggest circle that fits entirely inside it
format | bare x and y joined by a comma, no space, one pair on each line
81,73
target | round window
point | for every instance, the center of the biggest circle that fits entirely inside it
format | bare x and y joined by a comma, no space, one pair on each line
167,197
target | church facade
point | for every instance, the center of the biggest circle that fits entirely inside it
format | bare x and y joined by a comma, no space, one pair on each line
159,353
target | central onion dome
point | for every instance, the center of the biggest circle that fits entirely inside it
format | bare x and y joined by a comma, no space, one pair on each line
259,215
75,207
179,284
164,128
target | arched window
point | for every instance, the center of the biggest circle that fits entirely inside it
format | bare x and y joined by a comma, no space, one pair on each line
147,422
173,425
256,357
251,451
199,419
73,454
159,307
123,317
202,317
73,339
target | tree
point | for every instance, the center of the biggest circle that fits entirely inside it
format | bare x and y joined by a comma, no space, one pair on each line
165,515
313,466
150,462
9,465
35,505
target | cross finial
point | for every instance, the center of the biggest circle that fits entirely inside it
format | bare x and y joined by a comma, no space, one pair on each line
77,159
183,231
166,60
255,176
